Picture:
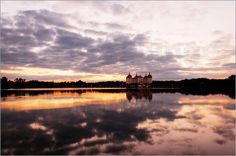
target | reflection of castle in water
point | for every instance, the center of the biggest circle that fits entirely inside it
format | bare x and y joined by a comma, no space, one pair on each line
141,94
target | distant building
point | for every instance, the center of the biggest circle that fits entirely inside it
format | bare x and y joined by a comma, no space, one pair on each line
138,81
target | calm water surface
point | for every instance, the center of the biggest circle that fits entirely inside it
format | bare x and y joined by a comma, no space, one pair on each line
116,122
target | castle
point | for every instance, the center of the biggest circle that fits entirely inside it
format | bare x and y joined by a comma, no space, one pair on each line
139,81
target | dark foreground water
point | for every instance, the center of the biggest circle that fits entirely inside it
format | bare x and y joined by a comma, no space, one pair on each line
116,122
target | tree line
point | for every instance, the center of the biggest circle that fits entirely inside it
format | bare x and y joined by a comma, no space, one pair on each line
200,86
199,83
22,83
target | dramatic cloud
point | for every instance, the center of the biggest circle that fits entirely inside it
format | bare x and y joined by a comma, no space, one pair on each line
79,45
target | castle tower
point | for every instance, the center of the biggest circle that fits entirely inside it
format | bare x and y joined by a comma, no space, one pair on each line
128,79
149,78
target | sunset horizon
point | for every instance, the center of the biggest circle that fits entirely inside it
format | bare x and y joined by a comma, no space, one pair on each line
115,77
122,79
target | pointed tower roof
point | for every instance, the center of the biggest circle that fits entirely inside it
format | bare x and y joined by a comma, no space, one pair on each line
149,75
129,76
145,76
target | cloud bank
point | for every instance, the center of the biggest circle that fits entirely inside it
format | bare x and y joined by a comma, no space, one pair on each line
45,39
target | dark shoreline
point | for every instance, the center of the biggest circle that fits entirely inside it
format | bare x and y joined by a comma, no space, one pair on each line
200,86
186,83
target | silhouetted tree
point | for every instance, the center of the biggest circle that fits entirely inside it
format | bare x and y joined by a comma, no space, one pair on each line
4,83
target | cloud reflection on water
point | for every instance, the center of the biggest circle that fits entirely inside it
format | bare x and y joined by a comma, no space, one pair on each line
119,123
62,100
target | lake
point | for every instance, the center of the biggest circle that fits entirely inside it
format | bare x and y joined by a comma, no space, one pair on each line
118,121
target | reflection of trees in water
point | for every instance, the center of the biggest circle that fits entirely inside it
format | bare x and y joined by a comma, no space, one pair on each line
5,93
139,94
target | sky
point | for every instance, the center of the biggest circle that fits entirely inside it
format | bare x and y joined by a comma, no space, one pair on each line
105,40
